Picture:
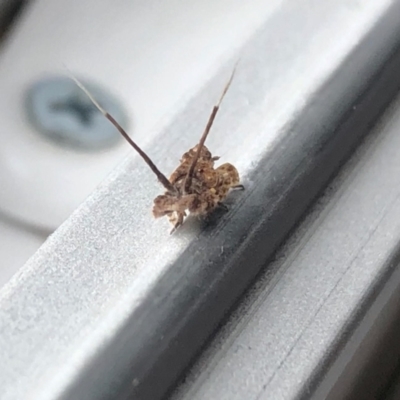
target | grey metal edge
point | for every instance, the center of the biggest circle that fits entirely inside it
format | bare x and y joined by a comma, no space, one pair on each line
322,320
110,306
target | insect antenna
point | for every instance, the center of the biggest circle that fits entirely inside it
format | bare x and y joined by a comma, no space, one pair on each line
189,176
160,176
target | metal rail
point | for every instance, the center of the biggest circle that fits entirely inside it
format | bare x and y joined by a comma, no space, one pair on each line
322,320
111,306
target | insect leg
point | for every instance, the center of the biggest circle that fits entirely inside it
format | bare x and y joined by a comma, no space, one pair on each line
178,223
238,187
223,206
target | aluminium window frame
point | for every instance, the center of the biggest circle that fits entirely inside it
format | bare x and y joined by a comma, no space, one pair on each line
111,306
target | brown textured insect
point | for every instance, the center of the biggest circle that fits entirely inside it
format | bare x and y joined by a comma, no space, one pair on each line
195,186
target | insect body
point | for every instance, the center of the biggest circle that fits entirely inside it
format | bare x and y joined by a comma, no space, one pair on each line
195,186
208,188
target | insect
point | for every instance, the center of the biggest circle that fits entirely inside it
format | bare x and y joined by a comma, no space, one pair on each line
195,186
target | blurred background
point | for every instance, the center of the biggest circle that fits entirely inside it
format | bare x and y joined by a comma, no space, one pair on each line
140,60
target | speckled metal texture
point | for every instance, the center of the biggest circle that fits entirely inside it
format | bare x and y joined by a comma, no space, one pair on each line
298,330
112,306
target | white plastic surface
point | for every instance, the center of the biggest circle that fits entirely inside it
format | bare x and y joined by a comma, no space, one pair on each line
152,55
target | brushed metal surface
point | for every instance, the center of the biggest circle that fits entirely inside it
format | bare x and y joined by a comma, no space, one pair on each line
327,304
111,306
